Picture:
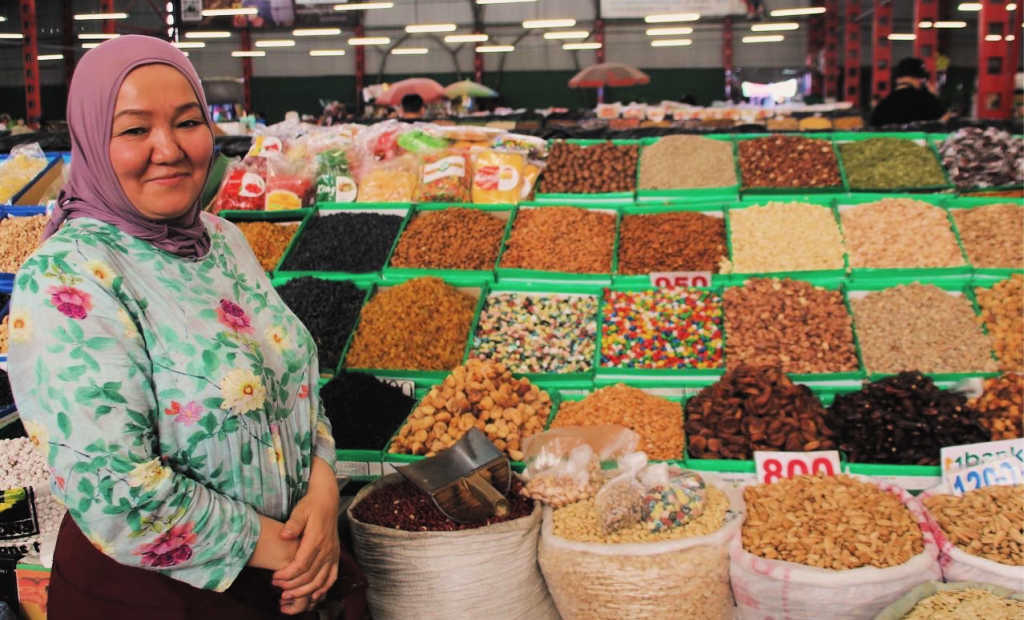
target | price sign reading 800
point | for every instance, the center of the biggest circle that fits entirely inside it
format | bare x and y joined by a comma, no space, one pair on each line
773,466
674,279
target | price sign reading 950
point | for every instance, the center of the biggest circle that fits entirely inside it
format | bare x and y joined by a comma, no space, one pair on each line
680,279
774,466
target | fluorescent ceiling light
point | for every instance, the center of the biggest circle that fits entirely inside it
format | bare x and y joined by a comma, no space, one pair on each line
951,24
89,46
97,36
491,49
2,18
276,43
188,44
11,35
51,57
671,42
421,28
363,6
969,6
185,54
1010,6
664,18
315,32
1010,37
549,23
326,52
777,26
369,41
764,38
251,10
925,24
248,54
807,10
993,37
93,16
566,34
902,36
208,34
671,30
466,38
590,45
502,1
409,51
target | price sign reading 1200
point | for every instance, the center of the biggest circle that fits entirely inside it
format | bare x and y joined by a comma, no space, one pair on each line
679,279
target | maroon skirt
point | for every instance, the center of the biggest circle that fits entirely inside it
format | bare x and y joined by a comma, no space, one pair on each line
86,584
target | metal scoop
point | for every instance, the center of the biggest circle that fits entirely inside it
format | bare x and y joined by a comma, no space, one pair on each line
467,481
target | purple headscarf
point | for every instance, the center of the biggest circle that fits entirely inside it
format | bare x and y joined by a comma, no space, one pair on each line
93,189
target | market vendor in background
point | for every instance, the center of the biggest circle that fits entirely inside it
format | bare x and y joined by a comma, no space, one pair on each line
911,99
172,391
412,108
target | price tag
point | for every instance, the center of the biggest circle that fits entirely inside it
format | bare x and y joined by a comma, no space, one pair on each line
673,279
969,455
408,387
1004,471
351,468
772,466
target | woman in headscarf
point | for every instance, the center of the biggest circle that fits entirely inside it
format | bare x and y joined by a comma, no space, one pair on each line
172,391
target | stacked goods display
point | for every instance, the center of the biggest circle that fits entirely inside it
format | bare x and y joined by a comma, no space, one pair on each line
881,164
420,564
784,237
952,601
980,533
479,394
983,158
846,544
788,162
652,543
755,408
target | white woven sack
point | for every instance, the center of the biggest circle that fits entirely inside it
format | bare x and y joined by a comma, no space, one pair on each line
686,578
772,589
958,565
488,572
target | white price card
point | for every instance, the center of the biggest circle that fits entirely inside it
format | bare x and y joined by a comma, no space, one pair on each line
673,279
772,466
1004,471
969,455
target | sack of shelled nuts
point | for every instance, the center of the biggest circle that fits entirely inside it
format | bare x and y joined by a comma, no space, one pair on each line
420,564
980,533
935,600
842,546
635,572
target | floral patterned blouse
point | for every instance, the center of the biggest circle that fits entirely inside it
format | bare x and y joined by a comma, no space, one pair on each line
175,399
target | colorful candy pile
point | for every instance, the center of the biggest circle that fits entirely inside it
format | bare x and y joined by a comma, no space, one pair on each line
664,328
538,333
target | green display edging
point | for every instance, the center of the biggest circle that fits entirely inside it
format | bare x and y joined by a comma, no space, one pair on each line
643,280
880,470
823,277
465,277
665,196
537,275
543,288
961,204
935,140
282,279
419,376
916,137
300,215
770,191
369,277
359,456
580,200
346,206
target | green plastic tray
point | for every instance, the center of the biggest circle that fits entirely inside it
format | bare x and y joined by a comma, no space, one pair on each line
918,137
956,204
700,194
537,275
295,215
587,198
936,139
768,191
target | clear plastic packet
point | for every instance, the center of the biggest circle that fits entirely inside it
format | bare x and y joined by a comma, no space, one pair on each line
531,172
244,186
388,181
620,501
289,184
444,177
497,176
609,441
24,163
530,146
379,142
559,480
334,181
671,501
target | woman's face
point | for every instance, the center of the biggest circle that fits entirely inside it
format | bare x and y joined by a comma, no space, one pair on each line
160,144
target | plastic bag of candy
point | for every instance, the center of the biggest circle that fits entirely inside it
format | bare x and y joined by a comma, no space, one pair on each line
444,177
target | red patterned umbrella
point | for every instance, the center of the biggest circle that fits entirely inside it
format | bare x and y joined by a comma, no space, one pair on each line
424,87
609,74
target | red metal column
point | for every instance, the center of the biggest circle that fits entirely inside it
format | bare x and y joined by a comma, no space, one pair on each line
30,59
815,45
881,51
599,38
478,61
727,54
852,54
68,36
995,64
107,6
831,68
247,71
926,40
360,67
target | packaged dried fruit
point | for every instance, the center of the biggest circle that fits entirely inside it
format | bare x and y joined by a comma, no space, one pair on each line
391,181
334,181
244,186
497,177
531,172
444,177
24,163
